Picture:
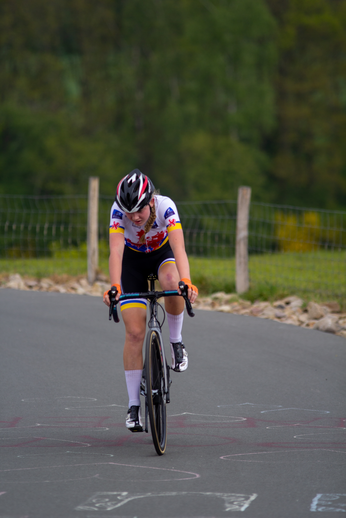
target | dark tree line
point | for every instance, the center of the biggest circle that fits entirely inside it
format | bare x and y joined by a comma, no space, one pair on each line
202,95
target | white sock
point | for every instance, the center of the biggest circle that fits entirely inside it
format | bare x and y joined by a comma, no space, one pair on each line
133,382
175,324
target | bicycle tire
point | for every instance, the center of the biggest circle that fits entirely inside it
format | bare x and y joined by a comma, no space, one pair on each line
156,398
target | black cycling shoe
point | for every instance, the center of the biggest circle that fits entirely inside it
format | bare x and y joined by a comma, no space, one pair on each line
133,419
180,360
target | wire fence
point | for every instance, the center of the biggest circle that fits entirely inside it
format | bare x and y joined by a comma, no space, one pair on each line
297,249
302,248
48,234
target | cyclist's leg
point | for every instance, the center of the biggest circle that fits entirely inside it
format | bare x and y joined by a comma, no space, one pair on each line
169,278
133,279
135,327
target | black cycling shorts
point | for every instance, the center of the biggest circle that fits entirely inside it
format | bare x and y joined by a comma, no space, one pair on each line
135,270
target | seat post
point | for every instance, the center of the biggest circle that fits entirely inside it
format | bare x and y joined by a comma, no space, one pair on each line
152,278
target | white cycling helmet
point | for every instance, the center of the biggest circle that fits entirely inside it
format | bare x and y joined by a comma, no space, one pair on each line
134,191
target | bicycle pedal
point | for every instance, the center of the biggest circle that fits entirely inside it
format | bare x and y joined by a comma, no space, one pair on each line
136,429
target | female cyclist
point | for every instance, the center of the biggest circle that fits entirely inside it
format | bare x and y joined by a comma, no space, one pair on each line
146,236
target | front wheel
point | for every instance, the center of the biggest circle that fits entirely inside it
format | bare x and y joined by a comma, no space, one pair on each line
156,399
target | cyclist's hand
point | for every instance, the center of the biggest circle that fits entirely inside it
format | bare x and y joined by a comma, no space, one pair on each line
192,292
106,295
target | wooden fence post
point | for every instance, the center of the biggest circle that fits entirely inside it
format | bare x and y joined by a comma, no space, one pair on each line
93,209
241,252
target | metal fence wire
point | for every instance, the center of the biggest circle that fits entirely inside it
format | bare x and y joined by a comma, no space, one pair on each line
33,227
302,248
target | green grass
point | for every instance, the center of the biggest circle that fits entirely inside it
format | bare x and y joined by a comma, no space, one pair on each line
319,276
71,262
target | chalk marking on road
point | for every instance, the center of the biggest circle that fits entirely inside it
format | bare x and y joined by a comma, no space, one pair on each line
291,425
96,406
303,435
3,493
326,502
84,453
190,474
286,425
67,425
275,452
308,424
19,427
34,399
293,408
83,444
230,419
34,439
273,408
21,437
79,399
107,501
40,425
227,457
58,398
250,404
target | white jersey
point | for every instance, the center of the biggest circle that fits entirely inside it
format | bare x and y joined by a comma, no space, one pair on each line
167,219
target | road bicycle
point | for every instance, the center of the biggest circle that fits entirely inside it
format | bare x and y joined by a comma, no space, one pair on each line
156,372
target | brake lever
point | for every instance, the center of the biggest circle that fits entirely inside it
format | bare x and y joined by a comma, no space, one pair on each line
183,288
113,312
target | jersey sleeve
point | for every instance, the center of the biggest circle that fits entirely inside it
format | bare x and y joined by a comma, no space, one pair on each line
116,224
170,215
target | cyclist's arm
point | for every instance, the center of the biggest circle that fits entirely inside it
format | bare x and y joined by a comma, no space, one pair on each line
116,246
176,241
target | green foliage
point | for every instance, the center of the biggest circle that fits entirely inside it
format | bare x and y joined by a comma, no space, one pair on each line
295,237
99,88
309,157
203,96
306,232
46,154
218,165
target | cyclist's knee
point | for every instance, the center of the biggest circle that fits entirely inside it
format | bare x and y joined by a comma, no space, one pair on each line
169,277
135,335
135,325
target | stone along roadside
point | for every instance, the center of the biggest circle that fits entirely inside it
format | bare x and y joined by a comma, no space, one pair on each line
326,317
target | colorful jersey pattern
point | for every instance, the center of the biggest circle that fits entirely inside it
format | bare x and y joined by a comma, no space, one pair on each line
167,219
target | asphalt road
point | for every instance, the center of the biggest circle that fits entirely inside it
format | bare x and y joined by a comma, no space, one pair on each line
256,425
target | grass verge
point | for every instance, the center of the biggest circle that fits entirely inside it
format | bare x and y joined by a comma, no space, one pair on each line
319,276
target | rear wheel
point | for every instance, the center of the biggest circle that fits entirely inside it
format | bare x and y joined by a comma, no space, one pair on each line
156,398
